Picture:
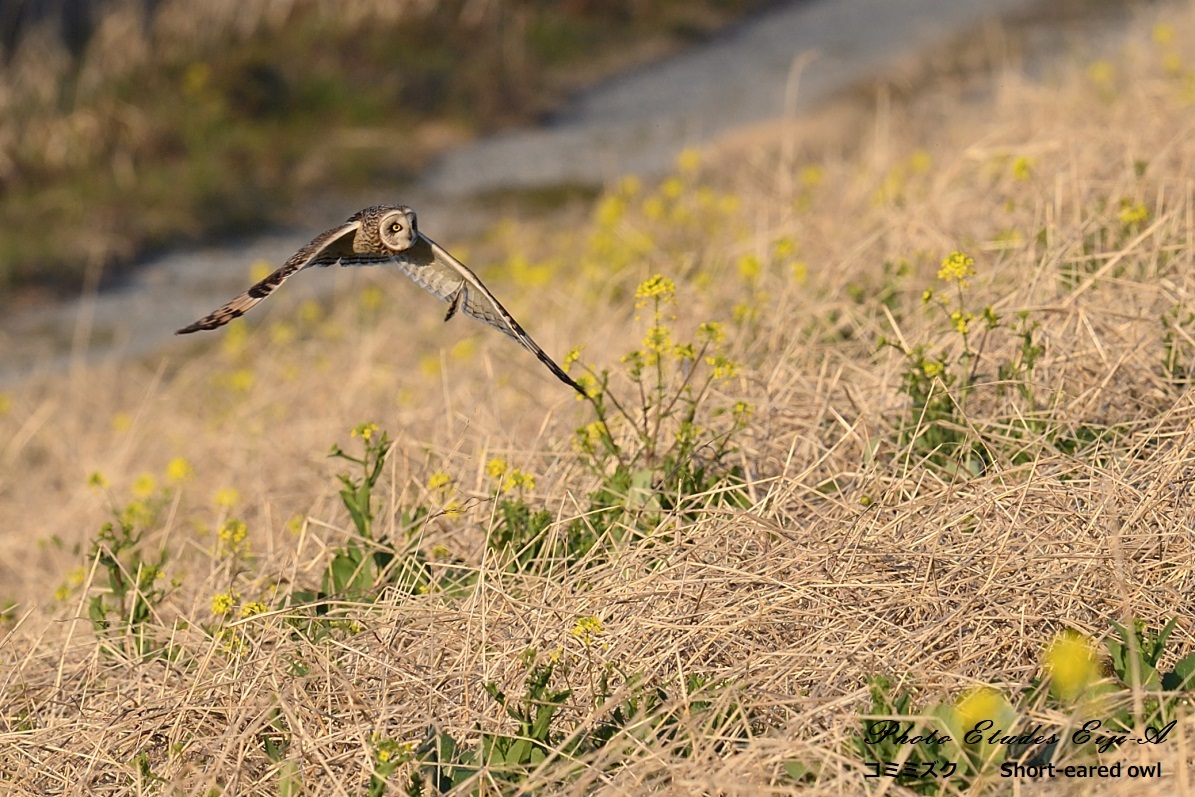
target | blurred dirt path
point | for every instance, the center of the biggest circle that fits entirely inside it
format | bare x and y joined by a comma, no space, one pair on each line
636,123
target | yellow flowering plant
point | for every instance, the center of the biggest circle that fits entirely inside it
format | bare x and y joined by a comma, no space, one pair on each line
672,440
939,384
359,567
122,611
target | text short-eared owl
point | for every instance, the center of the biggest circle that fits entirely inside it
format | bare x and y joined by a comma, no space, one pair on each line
388,234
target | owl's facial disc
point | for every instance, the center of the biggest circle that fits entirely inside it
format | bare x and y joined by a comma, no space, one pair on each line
397,230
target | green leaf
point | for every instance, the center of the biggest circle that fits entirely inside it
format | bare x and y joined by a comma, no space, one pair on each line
290,782
1182,677
348,573
798,771
518,753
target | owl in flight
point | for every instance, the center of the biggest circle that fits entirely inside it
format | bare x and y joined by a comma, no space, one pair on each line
387,234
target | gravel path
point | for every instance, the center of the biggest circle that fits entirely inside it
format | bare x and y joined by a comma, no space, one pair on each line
636,123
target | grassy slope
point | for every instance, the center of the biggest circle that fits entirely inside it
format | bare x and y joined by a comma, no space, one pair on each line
862,550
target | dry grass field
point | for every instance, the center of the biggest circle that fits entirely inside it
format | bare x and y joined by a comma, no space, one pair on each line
897,428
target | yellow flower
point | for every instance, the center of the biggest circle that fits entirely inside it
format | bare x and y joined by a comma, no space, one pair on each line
920,162
653,208
122,422
295,524
310,312
724,367
1072,664
1132,213
463,349
438,481
749,267
5,404
365,431
588,438
672,188
741,411
573,355
178,470
657,339
1022,168
222,603
957,267
1163,33
783,248
656,287
932,368
235,339
144,485
429,365
232,537
711,332
688,161
744,312
981,704
961,321
372,298
587,629
629,185
136,513
97,480
496,468
227,497
241,380
812,176
517,479
252,608
1102,73
588,384
260,269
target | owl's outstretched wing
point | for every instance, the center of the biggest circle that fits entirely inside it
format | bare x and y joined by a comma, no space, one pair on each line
335,245
431,267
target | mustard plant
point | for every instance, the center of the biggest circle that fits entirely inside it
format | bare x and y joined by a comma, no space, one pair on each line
122,613
1178,348
1135,656
647,714
669,445
520,532
507,759
983,731
941,380
369,561
275,739
388,755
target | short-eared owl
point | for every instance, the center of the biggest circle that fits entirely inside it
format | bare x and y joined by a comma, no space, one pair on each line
388,234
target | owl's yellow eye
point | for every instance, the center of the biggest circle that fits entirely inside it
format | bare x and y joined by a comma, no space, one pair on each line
396,227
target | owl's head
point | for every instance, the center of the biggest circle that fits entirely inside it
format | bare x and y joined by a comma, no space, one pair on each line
397,229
